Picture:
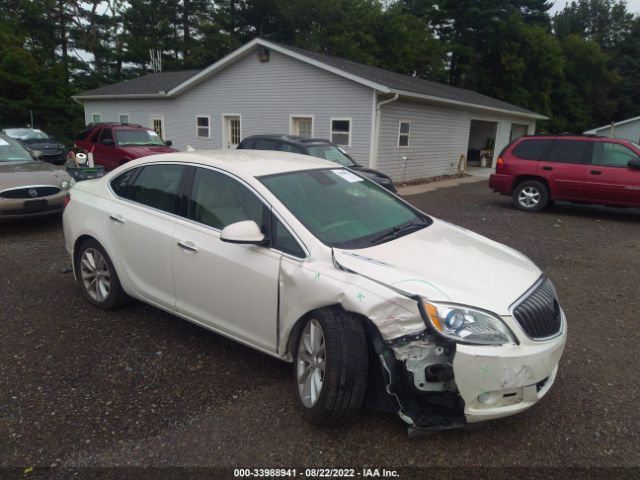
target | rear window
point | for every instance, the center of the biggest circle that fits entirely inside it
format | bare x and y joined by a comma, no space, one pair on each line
531,149
569,151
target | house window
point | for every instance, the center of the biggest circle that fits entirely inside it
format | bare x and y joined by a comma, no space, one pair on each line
124,118
403,134
302,126
202,127
341,131
96,118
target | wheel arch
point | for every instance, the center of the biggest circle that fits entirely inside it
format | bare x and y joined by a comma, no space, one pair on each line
525,178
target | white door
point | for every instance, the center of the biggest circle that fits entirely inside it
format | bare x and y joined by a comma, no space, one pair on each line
232,131
156,123
141,231
229,287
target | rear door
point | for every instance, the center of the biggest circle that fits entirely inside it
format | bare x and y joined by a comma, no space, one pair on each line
609,179
564,166
140,226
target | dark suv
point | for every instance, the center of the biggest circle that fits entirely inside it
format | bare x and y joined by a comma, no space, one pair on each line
51,150
584,169
315,147
114,144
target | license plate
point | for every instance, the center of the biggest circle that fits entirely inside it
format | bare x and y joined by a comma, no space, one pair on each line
35,205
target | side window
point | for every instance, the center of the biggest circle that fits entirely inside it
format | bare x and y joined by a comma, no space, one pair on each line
248,144
568,151
608,154
218,200
265,144
157,187
281,239
95,136
531,149
106,134
286,147
120,184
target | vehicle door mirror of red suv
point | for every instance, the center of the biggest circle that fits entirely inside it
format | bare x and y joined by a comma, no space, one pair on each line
634,163
168,143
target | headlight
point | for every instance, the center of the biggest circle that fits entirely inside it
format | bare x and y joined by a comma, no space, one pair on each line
65,185
466,325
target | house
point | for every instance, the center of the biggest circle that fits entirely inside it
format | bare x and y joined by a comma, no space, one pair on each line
628,129
406,127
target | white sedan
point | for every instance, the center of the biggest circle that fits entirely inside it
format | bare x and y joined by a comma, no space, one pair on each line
371,300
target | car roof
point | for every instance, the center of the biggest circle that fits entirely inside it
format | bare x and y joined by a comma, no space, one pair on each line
252,163
294,139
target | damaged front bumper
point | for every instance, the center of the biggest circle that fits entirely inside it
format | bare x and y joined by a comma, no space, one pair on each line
437,385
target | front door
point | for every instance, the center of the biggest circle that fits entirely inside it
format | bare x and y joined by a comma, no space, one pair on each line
232,131
609,178
104,151
231,288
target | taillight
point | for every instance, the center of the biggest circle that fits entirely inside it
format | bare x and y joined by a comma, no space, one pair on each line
499,165
67,199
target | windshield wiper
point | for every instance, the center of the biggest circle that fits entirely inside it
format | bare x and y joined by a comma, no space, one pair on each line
398,231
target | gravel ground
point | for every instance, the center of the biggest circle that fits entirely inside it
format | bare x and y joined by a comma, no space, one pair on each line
139,387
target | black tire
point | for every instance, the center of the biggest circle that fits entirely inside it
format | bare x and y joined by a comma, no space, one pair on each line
531,196
116,296
346,365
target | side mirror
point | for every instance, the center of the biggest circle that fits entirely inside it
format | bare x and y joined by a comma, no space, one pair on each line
106,141
168,143
634,163
245,232
36,154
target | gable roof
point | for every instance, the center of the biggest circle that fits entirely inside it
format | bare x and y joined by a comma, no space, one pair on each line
615,124
150,84
379,79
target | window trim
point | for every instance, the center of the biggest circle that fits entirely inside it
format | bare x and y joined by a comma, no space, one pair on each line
208,117
294,116
120,115
343,119
400,134
93,118
224,127
158,116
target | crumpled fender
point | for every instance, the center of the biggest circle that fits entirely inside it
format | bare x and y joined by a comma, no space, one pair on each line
395,314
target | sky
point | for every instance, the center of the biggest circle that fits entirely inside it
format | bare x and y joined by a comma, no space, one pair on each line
632,6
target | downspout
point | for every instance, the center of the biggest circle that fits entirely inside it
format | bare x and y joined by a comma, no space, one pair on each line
374,157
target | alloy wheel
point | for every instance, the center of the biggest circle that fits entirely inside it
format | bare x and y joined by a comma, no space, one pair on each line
310,360
95,274
529,197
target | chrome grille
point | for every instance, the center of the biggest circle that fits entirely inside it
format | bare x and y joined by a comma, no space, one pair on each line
30,192
539,313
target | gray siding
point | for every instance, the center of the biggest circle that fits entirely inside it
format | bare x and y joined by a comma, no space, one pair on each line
629,131
264,94
439,136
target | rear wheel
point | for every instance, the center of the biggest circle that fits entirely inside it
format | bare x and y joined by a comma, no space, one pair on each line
97,276
331,366
531,196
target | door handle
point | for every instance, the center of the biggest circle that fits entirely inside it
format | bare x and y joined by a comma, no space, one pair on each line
596,172
188,246
116,218
547,168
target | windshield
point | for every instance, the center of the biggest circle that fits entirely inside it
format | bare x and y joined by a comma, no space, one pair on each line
343,209
331,152
137,137
12,151
26,134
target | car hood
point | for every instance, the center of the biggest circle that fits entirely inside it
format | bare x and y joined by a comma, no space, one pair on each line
18,174
444,262
148,150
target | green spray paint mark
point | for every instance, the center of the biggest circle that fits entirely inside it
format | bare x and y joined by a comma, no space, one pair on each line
317,277
360,296
484,370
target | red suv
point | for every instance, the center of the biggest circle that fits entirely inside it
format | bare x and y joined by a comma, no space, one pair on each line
537,169
113,144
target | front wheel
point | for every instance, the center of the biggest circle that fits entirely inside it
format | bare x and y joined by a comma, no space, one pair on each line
331,367
531,196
